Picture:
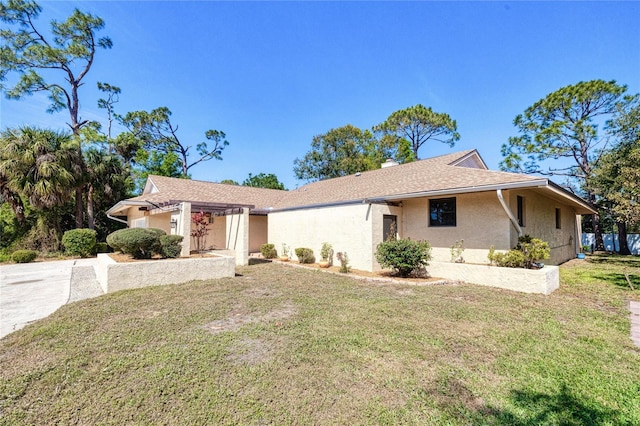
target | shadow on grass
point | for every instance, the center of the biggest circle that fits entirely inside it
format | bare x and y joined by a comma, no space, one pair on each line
562,408
258,260
615,260
619,280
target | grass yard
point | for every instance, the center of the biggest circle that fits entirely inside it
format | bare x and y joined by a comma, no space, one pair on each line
281,345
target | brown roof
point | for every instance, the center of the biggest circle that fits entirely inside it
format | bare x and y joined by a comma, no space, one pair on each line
458,172
162,189
429,175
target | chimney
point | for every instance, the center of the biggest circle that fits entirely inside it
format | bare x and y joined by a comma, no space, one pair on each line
389,163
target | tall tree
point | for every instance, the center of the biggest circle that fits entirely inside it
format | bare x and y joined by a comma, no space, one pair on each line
159,135
341,152
263,180
564,125
418,125
56,65
616,178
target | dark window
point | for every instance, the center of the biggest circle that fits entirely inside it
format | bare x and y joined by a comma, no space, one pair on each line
520,210
558,219
389,227
442,212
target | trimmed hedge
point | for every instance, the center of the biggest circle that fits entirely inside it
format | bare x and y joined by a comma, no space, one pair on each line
171,245
404,256
305,255
268,251
24,256
79,242
140,243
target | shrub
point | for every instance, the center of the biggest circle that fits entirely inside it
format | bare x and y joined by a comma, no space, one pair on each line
24,256
456,252
403,256
79,242
101,247
171,245
326,252
268,251
305,255
525,255
140,243
344,262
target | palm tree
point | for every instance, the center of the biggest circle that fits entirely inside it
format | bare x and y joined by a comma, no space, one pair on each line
39,164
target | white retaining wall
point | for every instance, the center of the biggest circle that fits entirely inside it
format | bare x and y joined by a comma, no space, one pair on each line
544,280
115,276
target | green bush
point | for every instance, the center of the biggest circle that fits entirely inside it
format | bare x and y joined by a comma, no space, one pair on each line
525,255
171,245
344,262
101,248
24,256
79,242
305,255
140,243
268,251
403,256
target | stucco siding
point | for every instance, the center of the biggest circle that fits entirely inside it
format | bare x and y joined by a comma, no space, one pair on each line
347,228
258,233
480,222
540,222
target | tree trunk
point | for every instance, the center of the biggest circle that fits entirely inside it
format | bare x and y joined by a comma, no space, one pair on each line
595,222
597,231
79,208
91,221
622,238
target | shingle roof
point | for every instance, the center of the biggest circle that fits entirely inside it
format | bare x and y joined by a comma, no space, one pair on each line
432,174
197,191
458,172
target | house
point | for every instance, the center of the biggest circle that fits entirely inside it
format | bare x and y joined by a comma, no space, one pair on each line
443,199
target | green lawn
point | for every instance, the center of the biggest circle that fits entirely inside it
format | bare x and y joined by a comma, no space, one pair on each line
279,345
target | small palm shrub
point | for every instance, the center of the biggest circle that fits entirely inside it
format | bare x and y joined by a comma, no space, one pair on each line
24,256
305,255
344,262
140,243
404,256
268,251
170,245
79,242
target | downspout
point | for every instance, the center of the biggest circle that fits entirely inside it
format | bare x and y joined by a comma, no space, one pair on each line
118,220
509,213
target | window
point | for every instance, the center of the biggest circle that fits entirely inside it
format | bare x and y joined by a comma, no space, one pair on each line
389,227
520,210
139,223
442,212
558,219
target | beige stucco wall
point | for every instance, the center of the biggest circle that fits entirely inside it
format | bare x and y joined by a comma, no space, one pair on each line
480,222
347,228
540,222
216,234
258,233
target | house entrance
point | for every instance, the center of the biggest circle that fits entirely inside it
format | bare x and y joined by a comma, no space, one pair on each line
389,227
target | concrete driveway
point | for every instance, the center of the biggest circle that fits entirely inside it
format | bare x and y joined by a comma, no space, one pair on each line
32,291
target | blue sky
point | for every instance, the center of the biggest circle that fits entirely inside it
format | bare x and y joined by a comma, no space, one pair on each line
271,75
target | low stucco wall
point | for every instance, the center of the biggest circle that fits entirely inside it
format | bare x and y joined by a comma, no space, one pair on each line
115,276
544,280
